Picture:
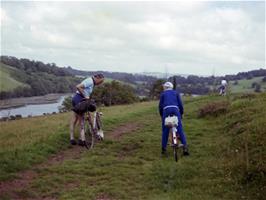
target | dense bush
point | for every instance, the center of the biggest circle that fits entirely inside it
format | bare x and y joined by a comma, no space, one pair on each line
213,109
114,93
156,89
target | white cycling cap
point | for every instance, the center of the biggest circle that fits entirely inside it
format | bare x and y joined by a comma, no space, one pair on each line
168,85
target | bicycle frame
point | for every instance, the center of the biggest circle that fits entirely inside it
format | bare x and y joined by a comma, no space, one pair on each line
174,135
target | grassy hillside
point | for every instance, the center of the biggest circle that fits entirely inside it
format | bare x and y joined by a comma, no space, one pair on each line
8,83
36,80
245,85
227,145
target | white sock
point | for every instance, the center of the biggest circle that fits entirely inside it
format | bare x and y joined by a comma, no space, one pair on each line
82,135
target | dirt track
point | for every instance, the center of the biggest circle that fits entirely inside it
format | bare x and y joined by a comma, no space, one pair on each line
10,188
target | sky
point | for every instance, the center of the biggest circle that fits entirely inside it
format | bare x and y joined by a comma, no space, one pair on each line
183,37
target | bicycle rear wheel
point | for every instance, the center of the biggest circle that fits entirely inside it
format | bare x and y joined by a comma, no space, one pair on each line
175,144
175,153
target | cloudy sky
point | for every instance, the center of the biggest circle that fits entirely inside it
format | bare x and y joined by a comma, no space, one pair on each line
181,37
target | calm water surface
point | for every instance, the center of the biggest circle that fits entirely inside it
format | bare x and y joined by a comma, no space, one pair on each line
33,110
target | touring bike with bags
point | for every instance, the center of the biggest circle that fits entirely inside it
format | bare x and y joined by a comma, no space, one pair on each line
92,122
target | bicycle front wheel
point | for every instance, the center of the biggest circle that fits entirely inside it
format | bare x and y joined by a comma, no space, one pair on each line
89,138
175,153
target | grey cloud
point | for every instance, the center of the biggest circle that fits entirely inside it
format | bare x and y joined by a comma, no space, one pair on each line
138,36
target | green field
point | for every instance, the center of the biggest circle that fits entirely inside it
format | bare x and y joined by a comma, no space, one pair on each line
226,162
245,85
8,83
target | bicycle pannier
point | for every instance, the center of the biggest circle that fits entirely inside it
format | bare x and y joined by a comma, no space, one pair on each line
171,121
84,106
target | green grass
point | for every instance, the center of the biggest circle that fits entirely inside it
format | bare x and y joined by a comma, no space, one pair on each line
28,141
245,85
8,83
132,168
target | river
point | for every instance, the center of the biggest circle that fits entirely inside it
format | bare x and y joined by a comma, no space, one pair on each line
33,110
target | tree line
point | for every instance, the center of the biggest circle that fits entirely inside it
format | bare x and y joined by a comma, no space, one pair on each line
41,79
121,76
38,78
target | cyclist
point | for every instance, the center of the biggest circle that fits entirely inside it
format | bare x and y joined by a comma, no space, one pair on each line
171,104
222,88
84,90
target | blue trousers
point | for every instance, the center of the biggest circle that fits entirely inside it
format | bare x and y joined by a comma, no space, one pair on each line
165,130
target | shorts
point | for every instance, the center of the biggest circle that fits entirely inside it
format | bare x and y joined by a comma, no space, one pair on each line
76,99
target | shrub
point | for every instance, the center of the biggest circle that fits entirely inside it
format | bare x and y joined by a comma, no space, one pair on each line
214,109
66,105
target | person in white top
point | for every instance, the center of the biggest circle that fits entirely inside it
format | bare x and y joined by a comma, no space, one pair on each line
84,90
222,88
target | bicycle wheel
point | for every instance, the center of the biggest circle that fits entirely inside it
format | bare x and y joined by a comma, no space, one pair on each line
175,144
175,153
89,134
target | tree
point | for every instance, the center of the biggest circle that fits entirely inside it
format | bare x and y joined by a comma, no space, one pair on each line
254,85
114,93
156,89
66,105
235,82
257,88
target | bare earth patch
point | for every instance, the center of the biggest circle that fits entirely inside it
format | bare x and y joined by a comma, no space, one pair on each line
103,197
118,132
128,150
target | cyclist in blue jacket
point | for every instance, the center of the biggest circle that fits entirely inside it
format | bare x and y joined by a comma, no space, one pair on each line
171,104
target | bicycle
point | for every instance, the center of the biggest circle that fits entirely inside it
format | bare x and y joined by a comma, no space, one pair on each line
93,129
172,123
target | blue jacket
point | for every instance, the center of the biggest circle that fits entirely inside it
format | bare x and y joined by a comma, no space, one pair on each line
170,98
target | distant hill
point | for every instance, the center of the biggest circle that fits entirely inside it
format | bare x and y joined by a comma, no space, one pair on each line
251,81
120,76
248,85
141,83
8,83
25,78
163,75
